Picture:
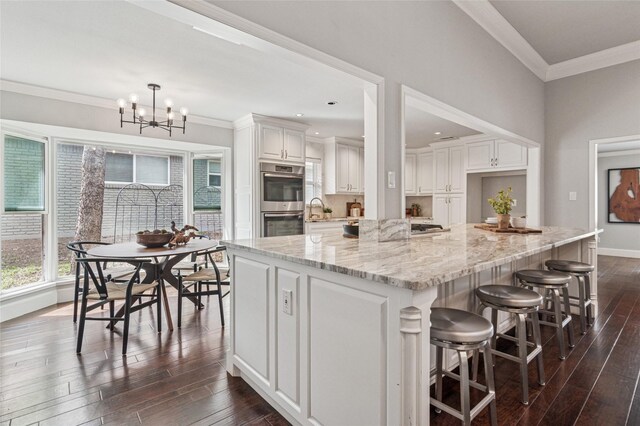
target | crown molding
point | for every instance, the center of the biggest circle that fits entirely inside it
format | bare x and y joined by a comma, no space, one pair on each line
488,17
62,95
499,28
594,61
252,118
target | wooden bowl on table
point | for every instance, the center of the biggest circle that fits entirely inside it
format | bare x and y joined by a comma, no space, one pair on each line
153,240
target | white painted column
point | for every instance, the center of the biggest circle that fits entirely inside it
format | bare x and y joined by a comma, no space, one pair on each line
383,151
411,334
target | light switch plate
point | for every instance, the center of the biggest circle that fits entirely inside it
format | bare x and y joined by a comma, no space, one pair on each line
573,196
287,298
391,180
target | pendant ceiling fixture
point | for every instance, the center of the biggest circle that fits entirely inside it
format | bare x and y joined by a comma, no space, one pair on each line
139,113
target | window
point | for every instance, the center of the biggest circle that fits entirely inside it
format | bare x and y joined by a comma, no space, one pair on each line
130,168
313,180
24,175
215,178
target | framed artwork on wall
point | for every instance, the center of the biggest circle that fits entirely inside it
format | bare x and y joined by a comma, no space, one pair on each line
623,188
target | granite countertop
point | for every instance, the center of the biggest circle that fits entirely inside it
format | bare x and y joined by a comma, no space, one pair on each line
334,219
418,263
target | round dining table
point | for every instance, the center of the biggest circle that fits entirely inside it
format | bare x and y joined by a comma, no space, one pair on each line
165,259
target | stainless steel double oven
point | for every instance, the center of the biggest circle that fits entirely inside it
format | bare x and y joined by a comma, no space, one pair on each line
281,199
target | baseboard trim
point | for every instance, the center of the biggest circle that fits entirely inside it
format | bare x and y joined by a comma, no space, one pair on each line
25,301
619,252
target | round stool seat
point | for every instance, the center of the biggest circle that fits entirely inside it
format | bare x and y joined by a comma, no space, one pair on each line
540,276
509,296
569,266
455,325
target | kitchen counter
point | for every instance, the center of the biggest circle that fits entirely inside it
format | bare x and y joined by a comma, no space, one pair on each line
331,330
420,262
334,219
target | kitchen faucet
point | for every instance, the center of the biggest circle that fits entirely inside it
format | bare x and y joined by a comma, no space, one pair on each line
311,207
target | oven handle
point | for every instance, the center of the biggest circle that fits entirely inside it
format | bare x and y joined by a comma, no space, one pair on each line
283,214
283,176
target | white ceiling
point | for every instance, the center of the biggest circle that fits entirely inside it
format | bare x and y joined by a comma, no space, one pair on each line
111,49
420,128
563,30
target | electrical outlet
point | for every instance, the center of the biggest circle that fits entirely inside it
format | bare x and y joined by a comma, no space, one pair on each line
514,202
573,196
287,297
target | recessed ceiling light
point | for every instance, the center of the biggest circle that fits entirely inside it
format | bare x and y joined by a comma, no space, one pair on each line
332,102
437,133
299,114
317,133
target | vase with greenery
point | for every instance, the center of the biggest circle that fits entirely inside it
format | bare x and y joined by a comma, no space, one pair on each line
502,204
327,212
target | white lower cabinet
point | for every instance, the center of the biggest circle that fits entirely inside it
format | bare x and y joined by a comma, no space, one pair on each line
449,209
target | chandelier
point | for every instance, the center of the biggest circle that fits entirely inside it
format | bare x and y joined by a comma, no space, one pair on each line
139,114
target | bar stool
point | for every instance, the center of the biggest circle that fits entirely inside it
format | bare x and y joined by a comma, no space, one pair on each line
463,331
521,302
582,272
552,282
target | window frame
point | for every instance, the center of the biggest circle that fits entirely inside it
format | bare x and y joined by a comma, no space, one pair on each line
135,169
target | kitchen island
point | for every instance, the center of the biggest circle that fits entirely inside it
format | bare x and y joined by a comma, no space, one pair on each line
336,331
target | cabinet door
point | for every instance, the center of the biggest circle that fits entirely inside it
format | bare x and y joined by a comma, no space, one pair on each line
355,170
424,173
342,168
457,173
271,142
410,174
294,146
441,210
457,210
441,169
509,154
479,155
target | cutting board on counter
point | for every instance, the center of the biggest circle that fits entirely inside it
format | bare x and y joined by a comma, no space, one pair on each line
494,228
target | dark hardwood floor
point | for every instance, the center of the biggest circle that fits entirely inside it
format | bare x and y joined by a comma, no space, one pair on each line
178,378
597,384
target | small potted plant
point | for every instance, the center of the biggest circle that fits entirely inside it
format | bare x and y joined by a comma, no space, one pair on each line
327,212
502,204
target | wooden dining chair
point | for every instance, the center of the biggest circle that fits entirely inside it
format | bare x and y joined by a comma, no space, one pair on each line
79,250
211,274
97,288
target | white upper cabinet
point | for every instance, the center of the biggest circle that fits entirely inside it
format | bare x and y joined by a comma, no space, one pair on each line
271,142
449,173
425,173
294,145
280,143
495,154
418,172
343,166
410,174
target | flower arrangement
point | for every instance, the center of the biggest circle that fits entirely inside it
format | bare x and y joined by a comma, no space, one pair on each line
503,202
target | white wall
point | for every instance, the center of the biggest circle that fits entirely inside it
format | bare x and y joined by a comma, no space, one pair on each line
430,46
618,236
595,105
34,109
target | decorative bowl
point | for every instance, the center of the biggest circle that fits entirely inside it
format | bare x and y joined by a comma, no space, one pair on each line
153,240
519,222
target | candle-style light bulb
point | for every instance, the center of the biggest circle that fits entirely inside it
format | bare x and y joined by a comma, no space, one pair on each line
168,103
133,98
121,103
141,112
184,111
170,116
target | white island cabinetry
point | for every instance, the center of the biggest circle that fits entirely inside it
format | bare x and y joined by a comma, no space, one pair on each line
336,331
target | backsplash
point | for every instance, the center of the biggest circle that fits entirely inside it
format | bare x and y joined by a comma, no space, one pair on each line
338,203
425,204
